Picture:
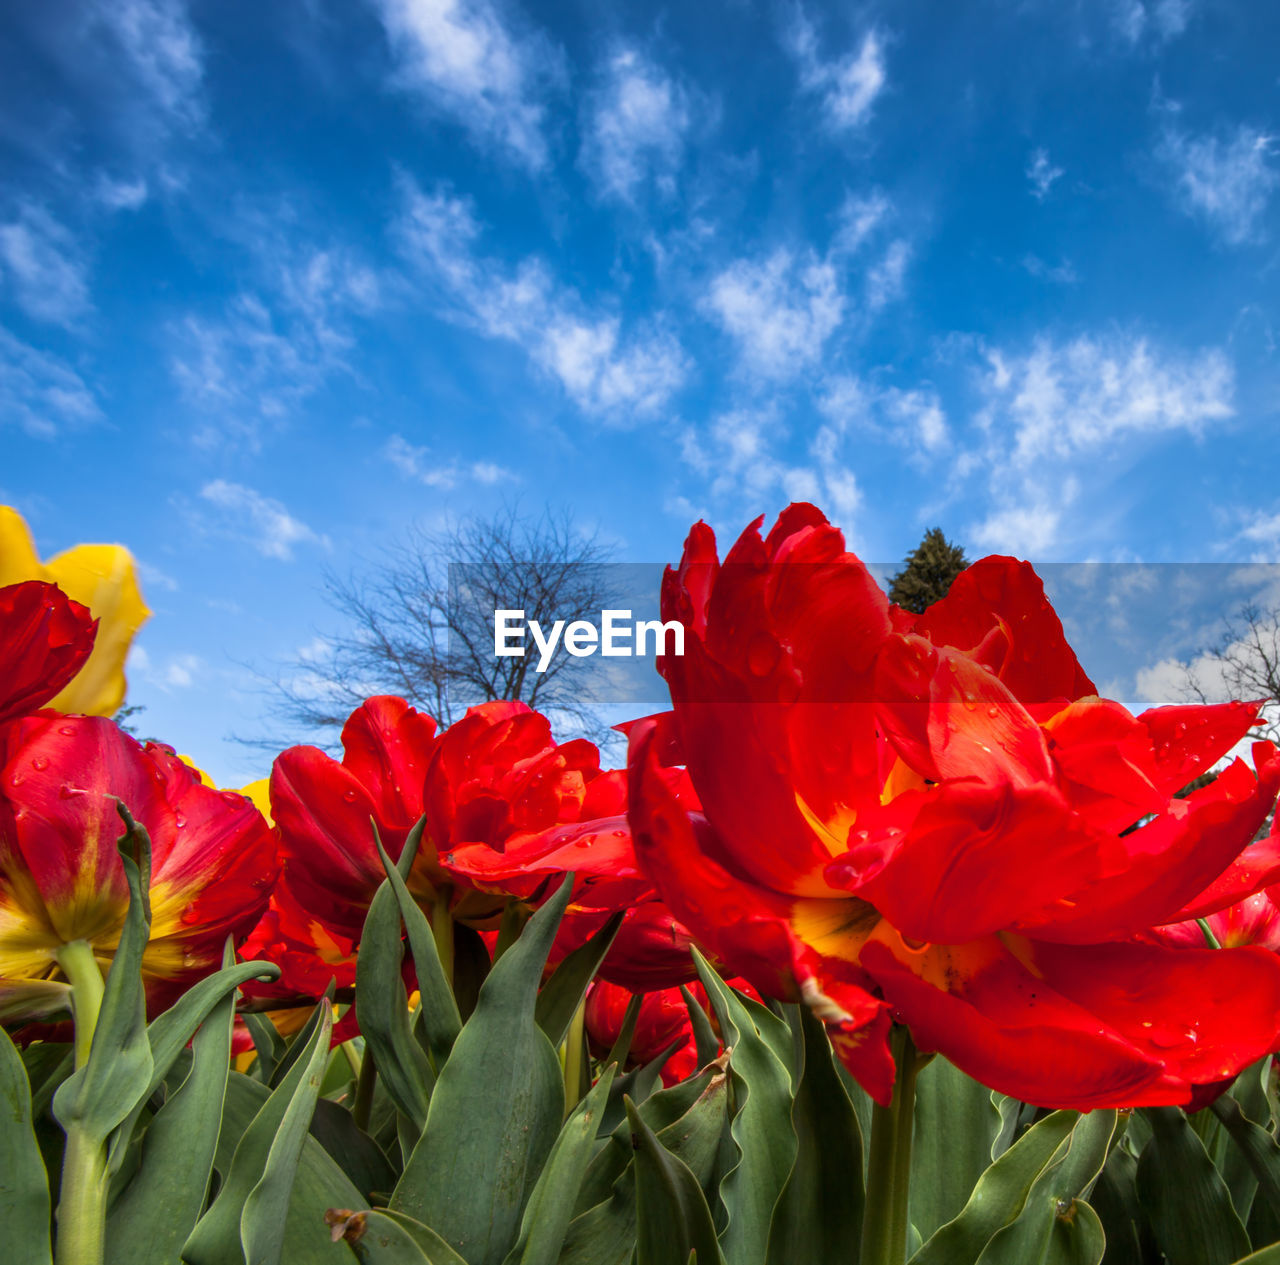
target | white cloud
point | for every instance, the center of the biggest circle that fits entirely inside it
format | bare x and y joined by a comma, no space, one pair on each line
1163,20
44,268
1042,174
605,373
417,463
121,195
258,520
1263,531
913,418
1022,530
260,358
886,279
858,218
1060,399
638,120
462,58
848,85
780,311
162,48
1060,274
40,392
1228,183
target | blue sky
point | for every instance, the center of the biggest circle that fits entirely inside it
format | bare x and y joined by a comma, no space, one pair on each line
278,280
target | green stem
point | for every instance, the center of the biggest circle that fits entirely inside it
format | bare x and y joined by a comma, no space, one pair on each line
363,1102
83,974
442,933
82,1207
1207,931
574,1046
885,1221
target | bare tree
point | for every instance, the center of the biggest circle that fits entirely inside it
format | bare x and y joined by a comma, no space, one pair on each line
418,623
1243,663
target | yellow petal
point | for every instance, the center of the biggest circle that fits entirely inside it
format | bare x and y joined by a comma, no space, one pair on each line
100,577
259,793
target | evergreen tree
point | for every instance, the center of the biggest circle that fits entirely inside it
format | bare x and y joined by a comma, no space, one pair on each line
927,572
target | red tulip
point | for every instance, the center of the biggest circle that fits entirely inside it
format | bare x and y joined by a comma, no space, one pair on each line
61,880
45,639
932,817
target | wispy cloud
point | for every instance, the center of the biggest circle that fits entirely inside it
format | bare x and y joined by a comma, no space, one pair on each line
253,363
463,59
41,393
1042,174
43,267
1063,273
606,373
913,417
780,310
848,86
162,49
417,462
258,520
636,123
1227,181
1159,20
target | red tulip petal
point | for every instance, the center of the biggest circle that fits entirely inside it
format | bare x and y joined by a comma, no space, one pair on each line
45,639
1190,740
387,746
1038,666
1258,866
1004,1026
949,717
1153,872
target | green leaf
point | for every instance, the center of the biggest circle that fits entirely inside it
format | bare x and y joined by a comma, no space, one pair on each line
1186,1201
271,1047
159,1208
353,1150
1266,1256
819,1213
390,1238
24,1188
382,1008
999,1196
496,1109
1259,1149
955,1129
761,1129
550,1207
605,1233
115,1078
1115,1200
258,1185
622,1046
562,994
673,1221
1055,1224
705,1039
470,967
440,1015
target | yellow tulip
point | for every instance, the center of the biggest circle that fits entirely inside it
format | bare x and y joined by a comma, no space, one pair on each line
100,577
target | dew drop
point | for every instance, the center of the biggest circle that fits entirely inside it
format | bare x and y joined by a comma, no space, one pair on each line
350,796
40,763
67,731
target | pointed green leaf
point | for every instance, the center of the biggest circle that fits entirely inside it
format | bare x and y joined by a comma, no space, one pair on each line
673,1222
439,1009
1186,1201
819,1213
761,1130
622,1046
562,994
390,1238
24,1184
550,1207
705,1040
999,1195
496,1109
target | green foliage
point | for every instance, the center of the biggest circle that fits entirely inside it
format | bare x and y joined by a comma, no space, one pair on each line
927,572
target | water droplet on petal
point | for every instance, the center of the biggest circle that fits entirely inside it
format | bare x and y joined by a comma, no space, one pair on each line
40,763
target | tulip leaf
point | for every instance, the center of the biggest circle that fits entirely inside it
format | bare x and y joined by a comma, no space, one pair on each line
261,1225
24,1184
353,1150
159,1208
1264,1256
954,1131
637,1084
820,1210
1259,1148
1056,1224
1186,1201
673,1221
761,1129
550,1207
605,1233
999,1196
496,1109
115,1078
1115,1200
382,1009
622,1046
706,1043
270,1046
470,967
390,1238
560,997
440,1015
258,1183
